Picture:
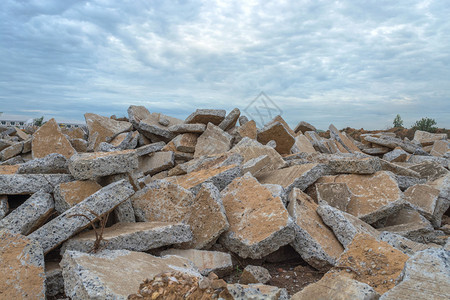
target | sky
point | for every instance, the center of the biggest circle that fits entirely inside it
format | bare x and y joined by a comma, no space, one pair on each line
350,63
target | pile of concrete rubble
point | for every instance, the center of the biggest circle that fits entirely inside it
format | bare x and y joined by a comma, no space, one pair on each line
83,211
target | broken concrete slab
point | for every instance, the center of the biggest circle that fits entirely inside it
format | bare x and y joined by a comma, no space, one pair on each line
126,140
336,287
397,169
230,120
4,206
345,141
187,128
156,162
344,225
317,142
369,165
69,194
70,222
257,291
124,213
136,114
254,274
206,218
302,144
403,244
440,148
392,143
429,170
220,177
396,155
303,127
259,222
92,165
162,201
425,199
213,141
11,151
49,139
186,142
335,194
425,276
54,281
8,169
114,274
205,116
249,130
299,176
314,241
255,165
150,148
21,267
424,137
53,163
23,184
206,261
279,133
373,262
151,126
141,236
417,159
103,129
30,215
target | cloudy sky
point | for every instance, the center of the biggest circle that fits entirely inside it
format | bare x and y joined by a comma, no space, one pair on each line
350,63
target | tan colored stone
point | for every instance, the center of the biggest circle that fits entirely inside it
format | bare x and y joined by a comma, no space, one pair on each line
299,176
74,133
314,241
440,148
69,194
408,223
373,262
156,162
335,194
79,145
213,141
303,127
424,198
21,134
178,154
254,166
332,145
186,142
259,222
248,130
103,129
278,133
7,170
21,267
49,139
318,142
205,116
303,144
425,138
343,139
336,287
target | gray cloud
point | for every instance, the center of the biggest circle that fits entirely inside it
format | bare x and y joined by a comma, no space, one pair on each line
344,62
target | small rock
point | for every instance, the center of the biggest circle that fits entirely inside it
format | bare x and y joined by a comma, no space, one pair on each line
255,274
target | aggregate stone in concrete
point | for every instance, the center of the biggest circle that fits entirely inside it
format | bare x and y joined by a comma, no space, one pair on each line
187,128
344,225
257,292
103,129
115,274
205,116
250,149
156,162
255,274
336,287
141,236
150,148
425,199
69,223
259,222
49,139
92,165
22,184
230,120
299,176
125,212
71,193
368,165
206,261
21,267
314,241
220,177
54,281
335,194
4,207
30,215
50,164
213,141
277,132
403,244
425,276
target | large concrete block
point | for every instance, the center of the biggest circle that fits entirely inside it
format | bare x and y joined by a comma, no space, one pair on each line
69,194
103,129
23,184
52,163
368,165
49,139
277,132
213,141
156,162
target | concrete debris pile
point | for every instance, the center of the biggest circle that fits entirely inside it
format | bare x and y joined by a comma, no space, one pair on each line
154,207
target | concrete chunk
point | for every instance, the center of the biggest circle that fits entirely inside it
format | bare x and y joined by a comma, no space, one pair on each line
136,114
186,142
425,276
302,144
255,165
11,151
425,199
259,222
114,274
255,274
205,116
21,267
440,148
346,142
280,134
141,236
4,207
369,165
257,291
403,244
49,139
314,241
206,261
187,128
213,141
424,136
151,126
68,224
335,194
299,176
69,194
92,165
30,215
396,155
230,120
157,162
50,164
151,148
103,129
303,127
22,184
